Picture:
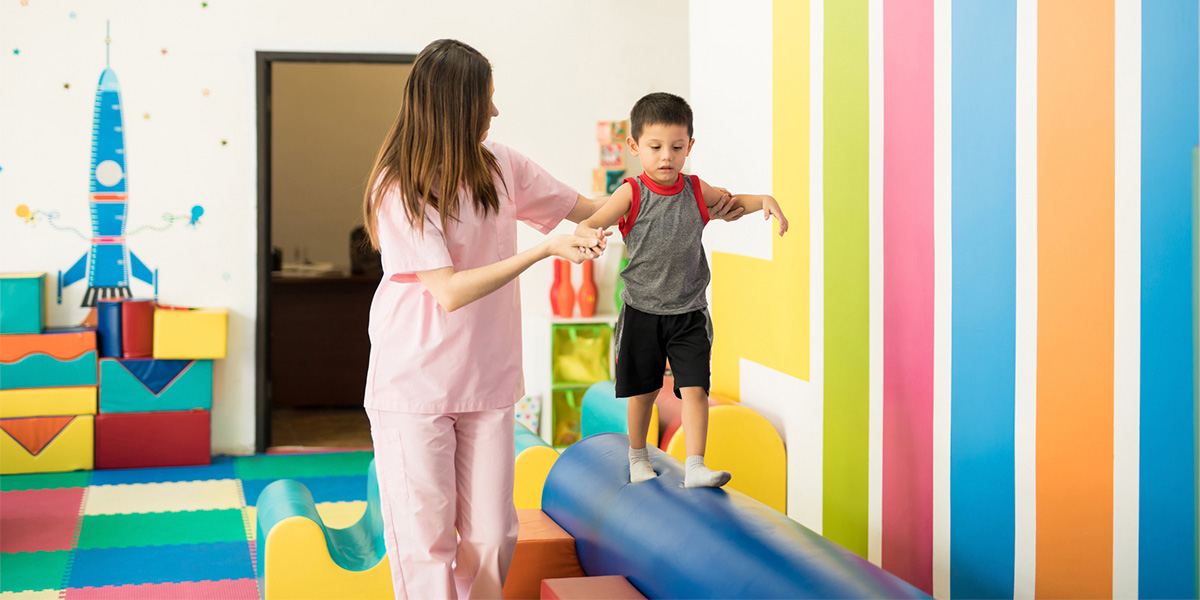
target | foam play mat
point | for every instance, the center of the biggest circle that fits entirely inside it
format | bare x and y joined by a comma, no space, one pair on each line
178,532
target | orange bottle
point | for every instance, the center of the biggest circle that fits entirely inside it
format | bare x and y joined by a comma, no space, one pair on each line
554,287
566,291
587,291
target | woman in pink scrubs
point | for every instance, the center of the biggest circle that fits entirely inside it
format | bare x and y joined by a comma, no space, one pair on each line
445,366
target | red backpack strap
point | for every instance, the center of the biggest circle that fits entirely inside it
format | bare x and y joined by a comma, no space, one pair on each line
625,224
699,198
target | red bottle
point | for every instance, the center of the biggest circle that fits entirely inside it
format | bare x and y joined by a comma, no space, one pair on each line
554,287
587,291
566,291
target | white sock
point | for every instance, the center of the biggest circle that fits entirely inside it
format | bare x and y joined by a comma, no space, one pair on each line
697,475
640,468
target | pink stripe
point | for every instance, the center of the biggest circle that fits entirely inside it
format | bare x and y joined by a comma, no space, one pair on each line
907,544
231,589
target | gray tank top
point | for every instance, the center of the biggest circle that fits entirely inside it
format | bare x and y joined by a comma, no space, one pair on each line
668,270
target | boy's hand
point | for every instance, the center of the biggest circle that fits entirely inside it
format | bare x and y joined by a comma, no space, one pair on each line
583,230
771,208
726,208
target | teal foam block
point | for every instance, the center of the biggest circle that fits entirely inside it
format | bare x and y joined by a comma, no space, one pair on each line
41,370
603,411
138,386
22,303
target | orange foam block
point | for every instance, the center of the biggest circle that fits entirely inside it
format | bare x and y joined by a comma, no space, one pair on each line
544,551
610,587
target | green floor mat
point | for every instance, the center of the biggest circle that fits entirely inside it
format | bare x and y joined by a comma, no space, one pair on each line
25,571
45,481
161,529
291,466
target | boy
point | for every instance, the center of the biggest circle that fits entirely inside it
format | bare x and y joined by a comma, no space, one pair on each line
662,214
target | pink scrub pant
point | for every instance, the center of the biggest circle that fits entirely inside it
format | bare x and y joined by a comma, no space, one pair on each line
438,473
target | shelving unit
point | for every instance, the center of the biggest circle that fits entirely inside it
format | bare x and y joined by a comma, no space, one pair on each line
568,356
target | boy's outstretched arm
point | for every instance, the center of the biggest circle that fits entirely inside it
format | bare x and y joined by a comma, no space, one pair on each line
606,216
750,203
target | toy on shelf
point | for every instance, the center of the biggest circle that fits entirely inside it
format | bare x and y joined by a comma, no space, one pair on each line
610,135
587,291
563,292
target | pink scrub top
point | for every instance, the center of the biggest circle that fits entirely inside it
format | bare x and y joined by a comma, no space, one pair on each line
424,359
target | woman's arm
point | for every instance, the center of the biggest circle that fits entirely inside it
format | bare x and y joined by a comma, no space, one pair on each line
456,289
585,207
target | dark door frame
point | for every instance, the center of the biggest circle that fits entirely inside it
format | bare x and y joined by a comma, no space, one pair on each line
262,346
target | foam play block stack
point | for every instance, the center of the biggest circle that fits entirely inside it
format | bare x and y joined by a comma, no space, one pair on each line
155,409
47,399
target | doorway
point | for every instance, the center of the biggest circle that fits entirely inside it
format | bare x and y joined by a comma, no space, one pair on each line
321,119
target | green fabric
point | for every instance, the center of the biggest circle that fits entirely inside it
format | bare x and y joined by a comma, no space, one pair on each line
25,571
847,275
295,466
162,529
45,481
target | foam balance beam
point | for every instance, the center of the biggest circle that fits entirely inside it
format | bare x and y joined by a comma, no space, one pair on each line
677,542
302,558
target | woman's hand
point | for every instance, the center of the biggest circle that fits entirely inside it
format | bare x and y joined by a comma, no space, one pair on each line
575,248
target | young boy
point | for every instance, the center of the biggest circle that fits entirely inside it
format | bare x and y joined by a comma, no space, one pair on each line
662,214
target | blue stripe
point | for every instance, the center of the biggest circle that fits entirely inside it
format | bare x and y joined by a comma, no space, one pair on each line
1167,532
984,80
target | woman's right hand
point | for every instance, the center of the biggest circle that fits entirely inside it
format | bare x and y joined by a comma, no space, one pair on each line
575,248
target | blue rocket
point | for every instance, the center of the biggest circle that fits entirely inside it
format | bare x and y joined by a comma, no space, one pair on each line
109,263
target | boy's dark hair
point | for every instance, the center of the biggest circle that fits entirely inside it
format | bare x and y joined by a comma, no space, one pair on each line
659,108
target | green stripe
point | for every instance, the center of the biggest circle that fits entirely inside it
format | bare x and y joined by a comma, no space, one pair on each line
45,481
162,529
34,571
847,307
293,466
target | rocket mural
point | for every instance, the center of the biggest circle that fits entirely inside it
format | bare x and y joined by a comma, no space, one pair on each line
109,263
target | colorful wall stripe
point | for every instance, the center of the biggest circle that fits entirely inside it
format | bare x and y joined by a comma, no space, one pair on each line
907,527
845,161
983,364
778,286
1170,105
1075,299
1005,328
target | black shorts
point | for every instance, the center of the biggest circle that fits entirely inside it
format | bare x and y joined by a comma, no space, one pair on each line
645,341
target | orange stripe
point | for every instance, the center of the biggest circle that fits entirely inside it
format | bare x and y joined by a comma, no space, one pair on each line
1075,299
63,346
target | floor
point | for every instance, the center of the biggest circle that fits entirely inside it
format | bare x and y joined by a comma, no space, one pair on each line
180,533
320,428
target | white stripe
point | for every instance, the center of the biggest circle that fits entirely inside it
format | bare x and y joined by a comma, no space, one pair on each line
1127,297
1025,426
875,233
942,294
816,207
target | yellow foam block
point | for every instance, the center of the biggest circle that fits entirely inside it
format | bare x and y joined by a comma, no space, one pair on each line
190,333
300,567
69,449
532,466
744,443
40,402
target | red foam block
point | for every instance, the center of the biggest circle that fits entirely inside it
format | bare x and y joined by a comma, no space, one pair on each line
612,587
153,439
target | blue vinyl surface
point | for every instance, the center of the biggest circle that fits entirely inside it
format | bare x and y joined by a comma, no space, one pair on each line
161,564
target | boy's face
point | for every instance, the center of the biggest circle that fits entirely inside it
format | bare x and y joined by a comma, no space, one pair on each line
662,150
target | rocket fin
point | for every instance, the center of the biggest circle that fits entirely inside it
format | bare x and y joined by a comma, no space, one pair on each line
140,270
76,272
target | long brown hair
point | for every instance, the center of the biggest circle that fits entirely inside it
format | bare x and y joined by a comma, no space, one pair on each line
435,145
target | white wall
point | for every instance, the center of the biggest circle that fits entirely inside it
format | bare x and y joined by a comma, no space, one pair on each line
559,67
